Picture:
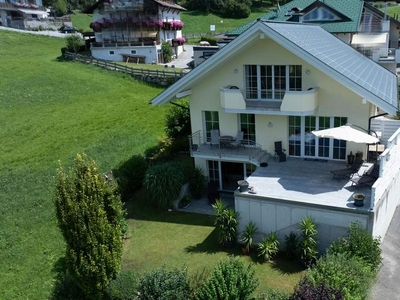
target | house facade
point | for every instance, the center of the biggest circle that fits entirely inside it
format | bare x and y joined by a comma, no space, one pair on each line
358,23
278,82
134,30
21,14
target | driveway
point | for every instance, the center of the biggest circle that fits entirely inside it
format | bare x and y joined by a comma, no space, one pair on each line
183,59
387,284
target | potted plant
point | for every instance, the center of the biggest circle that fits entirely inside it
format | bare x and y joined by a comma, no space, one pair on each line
247,237
268,247
226,221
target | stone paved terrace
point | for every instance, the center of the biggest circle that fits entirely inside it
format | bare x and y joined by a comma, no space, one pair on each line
307,181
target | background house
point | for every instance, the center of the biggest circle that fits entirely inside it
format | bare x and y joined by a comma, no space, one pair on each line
278,82
22,14
135,29
358,23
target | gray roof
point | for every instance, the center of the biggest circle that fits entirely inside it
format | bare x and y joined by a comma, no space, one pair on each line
340,57
317,47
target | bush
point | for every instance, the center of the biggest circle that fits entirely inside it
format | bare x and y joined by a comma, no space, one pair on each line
197,280
291,245
167,53
212,40
268,247
130,174
196,182
229,280
236,9
274,294
343,273
124,287
308,243
306,290
163,284
178,120
74,42
226,222
163,183
359,243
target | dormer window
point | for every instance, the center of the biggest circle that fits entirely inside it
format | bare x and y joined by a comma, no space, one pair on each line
320,14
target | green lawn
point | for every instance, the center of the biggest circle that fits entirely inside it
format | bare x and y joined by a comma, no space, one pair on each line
50,110
393,10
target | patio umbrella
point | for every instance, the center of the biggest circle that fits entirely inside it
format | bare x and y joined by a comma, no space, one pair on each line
347,133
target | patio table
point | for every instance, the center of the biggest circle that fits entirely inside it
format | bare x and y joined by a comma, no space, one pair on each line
225,141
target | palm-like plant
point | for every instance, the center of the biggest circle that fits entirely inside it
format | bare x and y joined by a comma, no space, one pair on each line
226,221
248,235
308,244
268,247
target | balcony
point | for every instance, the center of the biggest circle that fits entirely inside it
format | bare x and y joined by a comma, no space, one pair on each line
389,55
269,102
135,5
247,151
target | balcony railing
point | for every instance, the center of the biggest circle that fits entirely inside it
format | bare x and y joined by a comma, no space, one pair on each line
245,151
122,44
135,5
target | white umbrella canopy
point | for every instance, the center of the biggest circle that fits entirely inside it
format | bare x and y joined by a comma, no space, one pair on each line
347,133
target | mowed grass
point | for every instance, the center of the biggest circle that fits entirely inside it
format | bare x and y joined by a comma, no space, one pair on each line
50,110
179,239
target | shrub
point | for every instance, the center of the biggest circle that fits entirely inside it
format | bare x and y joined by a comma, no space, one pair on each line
74,42
167,53
197,280
165,284
89,214
268,247
359,243
163,183
130,174
274,294
236,9
248,234
308,243
226,221
124,286
291,245
177,120
212,40
196,182
344,273
229,280
306,290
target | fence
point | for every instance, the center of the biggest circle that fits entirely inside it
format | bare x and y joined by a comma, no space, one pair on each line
162,77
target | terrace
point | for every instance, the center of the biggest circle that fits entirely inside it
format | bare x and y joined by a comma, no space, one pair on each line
307,181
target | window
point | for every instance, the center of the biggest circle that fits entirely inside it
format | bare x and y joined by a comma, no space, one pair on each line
271,82
211,121
320,14
248,126
213,171
302,142
133,51
111,52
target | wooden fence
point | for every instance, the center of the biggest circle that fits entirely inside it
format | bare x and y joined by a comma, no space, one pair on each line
162,77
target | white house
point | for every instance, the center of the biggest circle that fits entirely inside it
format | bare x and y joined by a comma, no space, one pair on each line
278,82
21,14
134,30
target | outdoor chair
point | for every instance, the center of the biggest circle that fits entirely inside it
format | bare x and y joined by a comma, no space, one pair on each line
368,178
280,155
349,171
238,141
214,138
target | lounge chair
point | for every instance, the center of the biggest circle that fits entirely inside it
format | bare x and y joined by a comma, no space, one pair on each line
238,141
349,171
280,155
368,178
214,138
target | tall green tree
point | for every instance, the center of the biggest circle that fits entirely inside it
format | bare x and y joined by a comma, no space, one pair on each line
89,213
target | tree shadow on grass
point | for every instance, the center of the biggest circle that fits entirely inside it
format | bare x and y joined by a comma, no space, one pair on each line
286,266
211,246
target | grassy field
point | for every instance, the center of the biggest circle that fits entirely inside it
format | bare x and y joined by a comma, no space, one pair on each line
52,109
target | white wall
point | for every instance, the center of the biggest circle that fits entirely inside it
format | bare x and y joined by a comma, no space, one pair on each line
104,53
283,216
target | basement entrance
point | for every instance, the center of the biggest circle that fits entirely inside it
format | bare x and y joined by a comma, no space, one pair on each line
231,173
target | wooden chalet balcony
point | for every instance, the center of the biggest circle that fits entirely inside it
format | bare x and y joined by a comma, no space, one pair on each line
112,44
279,102
134,5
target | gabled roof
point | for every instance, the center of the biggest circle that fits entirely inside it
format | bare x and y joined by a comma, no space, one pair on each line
317,47
352,9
